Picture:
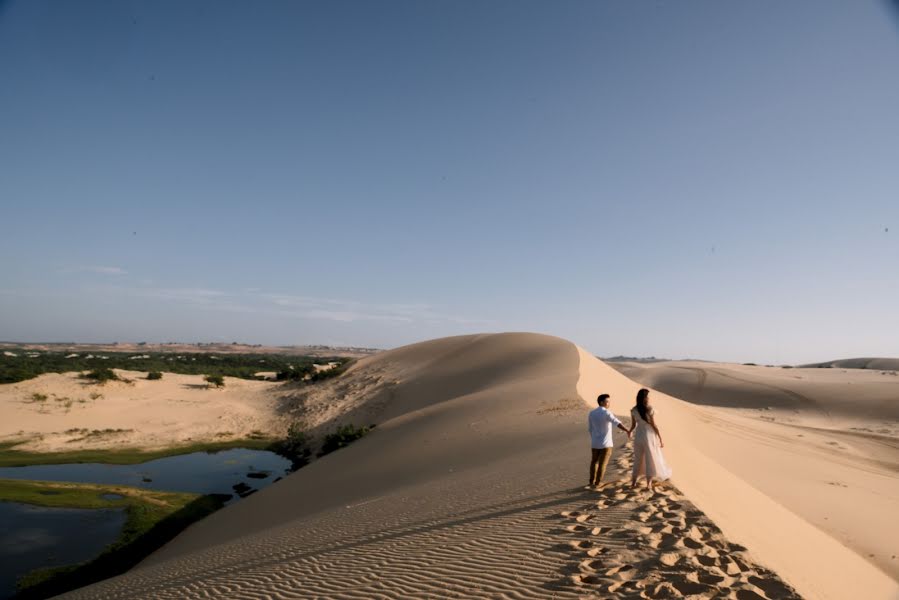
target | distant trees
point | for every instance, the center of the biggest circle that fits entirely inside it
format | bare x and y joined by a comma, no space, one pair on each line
310,374
334,371
27,364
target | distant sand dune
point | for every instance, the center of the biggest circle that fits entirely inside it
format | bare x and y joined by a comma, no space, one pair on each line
881,364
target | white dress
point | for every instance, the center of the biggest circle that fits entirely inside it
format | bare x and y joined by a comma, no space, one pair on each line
648,458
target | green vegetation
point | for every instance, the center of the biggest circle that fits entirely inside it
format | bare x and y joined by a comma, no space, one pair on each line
35,397
295,447
343,436
315,375
216,380
10,457
28,364
101,375
153,375
153,518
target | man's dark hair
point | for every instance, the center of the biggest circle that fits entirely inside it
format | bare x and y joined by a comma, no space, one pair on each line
602,398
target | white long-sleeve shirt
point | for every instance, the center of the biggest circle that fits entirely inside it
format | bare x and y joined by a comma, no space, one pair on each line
600,422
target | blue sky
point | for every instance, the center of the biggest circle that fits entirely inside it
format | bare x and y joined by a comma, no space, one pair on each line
693,179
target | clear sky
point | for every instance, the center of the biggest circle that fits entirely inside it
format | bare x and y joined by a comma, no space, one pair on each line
683,179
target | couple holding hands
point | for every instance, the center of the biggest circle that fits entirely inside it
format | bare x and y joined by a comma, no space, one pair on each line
648,459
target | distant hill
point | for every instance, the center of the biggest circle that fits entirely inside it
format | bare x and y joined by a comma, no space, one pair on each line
637,359
874,364
181,347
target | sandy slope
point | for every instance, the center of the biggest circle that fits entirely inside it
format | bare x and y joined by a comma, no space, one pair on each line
824,443
175,410
471,487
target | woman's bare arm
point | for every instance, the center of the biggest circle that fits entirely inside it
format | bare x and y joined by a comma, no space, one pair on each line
651,419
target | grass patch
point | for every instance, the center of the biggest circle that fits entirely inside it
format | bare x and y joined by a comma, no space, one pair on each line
94,434
152,519
10,457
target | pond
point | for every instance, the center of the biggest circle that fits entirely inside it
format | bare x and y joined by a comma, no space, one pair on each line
225,472
32,537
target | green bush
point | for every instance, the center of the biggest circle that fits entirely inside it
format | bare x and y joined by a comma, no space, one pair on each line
343,436
330,373
295,446
154,375
101,375
216,380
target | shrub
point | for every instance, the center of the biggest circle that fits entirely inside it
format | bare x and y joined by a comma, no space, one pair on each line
35,397
290,375
152,375
216,380
343,436
101,375
295,446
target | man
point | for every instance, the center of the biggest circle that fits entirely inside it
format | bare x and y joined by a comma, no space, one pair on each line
600,421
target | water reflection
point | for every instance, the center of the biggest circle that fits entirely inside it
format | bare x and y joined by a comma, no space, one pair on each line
200,472
32,537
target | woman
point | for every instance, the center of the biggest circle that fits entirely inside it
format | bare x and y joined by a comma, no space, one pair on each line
648,459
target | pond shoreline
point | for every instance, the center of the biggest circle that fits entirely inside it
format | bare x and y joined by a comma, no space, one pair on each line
152,519
153,515
10,457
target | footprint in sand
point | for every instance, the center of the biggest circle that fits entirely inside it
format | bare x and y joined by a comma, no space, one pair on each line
691,588
669,559
587,579
771,587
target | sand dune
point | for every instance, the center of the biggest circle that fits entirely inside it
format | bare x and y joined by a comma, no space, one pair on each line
471,486
882,364
824,443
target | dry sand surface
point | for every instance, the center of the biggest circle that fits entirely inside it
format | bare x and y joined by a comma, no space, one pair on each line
824,443
177,409
471,486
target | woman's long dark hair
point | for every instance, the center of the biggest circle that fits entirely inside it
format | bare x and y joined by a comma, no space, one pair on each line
641,402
